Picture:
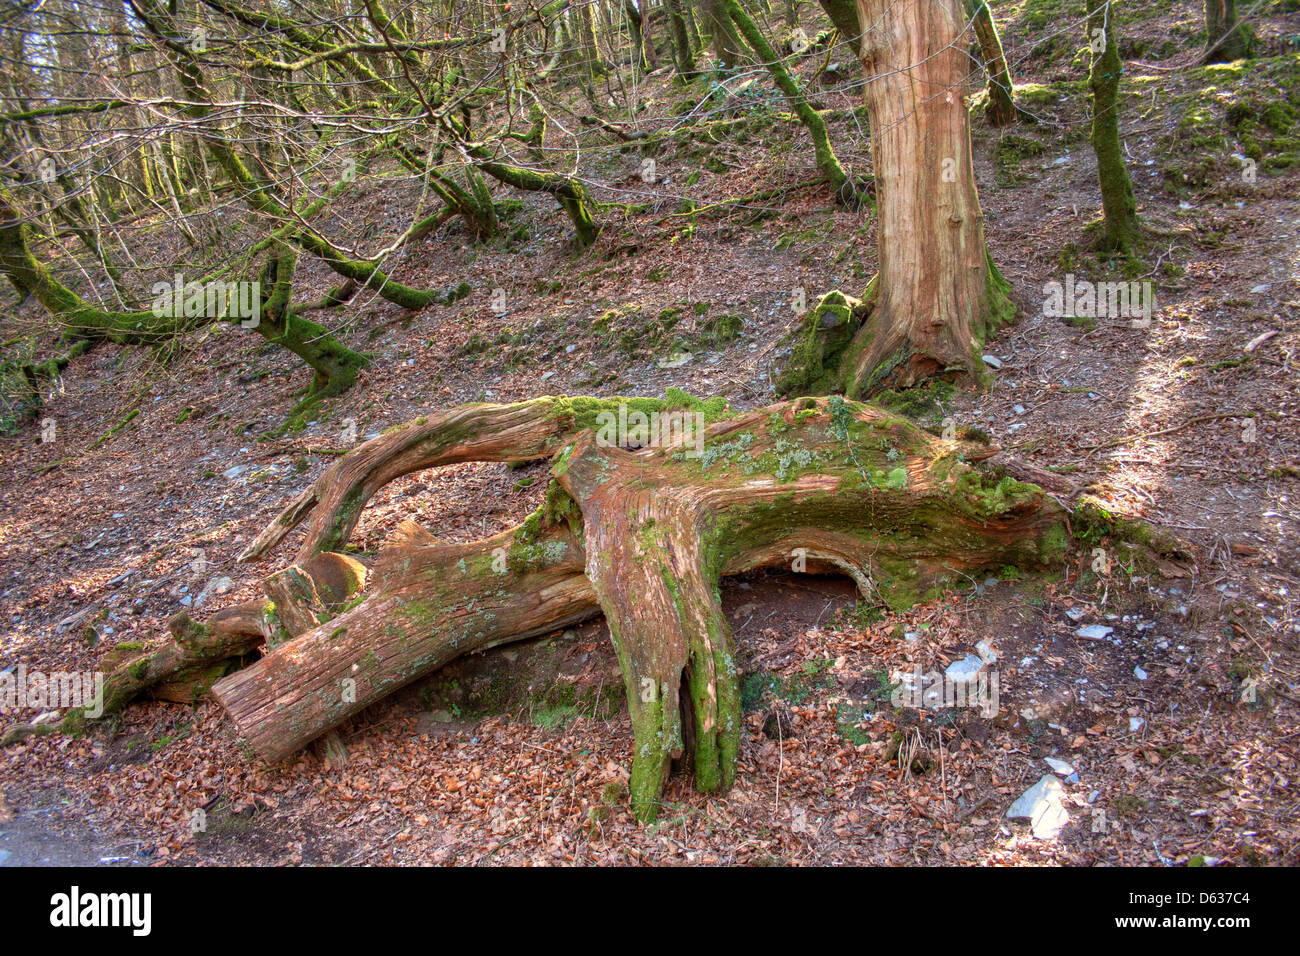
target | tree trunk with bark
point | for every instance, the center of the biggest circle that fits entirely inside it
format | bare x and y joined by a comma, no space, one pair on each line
937,295
1001,110
679,34
1120,231
1226,37
722,34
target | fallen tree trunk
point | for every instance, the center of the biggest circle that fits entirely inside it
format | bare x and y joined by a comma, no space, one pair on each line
184,668
643,535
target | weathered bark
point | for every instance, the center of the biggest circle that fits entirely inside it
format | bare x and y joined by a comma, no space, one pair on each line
524,431
1226,37
936,295
644,536
1120,231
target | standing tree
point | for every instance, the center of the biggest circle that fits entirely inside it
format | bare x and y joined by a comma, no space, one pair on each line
937,294
722,34
1226,37
680,36
1121,232
1001,110
840,182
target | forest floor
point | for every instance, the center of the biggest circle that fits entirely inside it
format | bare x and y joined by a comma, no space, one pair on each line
1181,723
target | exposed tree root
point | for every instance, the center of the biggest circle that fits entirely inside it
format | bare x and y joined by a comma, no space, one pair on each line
642,536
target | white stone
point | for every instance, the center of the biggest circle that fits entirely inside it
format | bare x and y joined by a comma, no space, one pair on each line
1042,806
1059,766
965,670
1095,631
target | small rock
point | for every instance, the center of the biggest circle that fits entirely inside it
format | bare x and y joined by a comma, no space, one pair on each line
1042,805
1139,673
676,360
1059,766
1095,632
235,471
547,375
965,670
992,361
1076,614
1135,724
216,586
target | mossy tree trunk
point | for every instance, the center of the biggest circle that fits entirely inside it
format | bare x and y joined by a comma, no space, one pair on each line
644,537
840,182
1120,231
257,192
1001,110
936,295
679,35
726,42
79,319
596,67
334,364
843,14
1226,37
643,48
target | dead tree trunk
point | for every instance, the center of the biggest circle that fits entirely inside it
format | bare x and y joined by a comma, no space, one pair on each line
642,535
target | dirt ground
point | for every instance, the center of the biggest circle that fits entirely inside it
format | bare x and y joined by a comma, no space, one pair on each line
1179,723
